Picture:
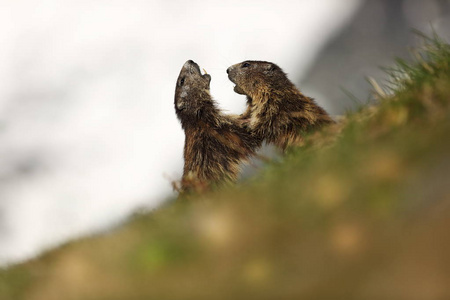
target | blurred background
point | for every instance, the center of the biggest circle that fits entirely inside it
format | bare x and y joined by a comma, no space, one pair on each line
88,133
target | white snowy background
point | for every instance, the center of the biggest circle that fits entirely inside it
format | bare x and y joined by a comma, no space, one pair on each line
88,133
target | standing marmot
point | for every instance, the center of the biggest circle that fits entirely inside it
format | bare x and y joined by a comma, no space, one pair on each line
277,111
215,144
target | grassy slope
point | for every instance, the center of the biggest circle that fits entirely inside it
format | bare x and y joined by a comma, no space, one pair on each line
361,212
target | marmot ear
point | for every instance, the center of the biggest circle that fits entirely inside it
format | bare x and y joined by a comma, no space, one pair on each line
180,104
269,68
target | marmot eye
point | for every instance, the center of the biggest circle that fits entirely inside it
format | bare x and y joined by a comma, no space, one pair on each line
245,65
182,81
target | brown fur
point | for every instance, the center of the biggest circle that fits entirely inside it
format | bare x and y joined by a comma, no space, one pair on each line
215,144
277,111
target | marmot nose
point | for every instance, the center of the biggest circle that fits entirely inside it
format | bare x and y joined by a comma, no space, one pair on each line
190,61
228,70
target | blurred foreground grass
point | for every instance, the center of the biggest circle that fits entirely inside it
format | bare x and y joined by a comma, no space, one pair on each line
360,212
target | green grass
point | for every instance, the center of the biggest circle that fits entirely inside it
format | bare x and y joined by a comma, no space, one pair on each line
362,211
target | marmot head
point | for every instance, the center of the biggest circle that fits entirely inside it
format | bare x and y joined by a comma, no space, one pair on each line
192,91
252,77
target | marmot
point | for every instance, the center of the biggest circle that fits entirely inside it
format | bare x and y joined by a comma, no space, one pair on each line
276,110
215,144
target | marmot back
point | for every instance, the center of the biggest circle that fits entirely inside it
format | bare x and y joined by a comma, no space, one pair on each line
214,143
277,111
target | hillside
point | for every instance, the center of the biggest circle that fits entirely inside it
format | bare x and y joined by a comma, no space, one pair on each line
362,211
